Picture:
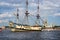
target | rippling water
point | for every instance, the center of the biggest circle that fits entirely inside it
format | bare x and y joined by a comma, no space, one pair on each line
32,35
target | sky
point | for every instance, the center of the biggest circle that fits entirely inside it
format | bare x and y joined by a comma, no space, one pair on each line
49,9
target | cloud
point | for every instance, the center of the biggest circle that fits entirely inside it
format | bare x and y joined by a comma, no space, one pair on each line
1,21
8,4
45,5
6,14
47,8
57,14
48,3
33,0
33,4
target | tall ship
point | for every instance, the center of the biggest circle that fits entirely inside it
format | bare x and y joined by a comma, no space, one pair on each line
26,27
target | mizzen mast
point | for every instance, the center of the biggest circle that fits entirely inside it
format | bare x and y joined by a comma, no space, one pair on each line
38,16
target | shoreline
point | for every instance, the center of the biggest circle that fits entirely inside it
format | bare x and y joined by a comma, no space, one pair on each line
50,29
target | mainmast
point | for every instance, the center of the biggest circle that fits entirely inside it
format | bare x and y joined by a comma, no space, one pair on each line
17,16
26,5
38,16
26,14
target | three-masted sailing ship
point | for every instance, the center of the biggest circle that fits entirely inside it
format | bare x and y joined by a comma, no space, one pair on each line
26,27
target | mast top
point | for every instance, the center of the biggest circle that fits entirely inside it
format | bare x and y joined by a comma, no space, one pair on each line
26,8
38,16
38,7
26,5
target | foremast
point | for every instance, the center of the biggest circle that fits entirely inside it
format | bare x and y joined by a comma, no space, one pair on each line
26,13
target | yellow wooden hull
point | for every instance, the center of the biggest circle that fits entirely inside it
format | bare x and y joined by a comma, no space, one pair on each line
25,28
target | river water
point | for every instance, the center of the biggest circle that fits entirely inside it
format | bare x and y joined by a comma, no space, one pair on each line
30,35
